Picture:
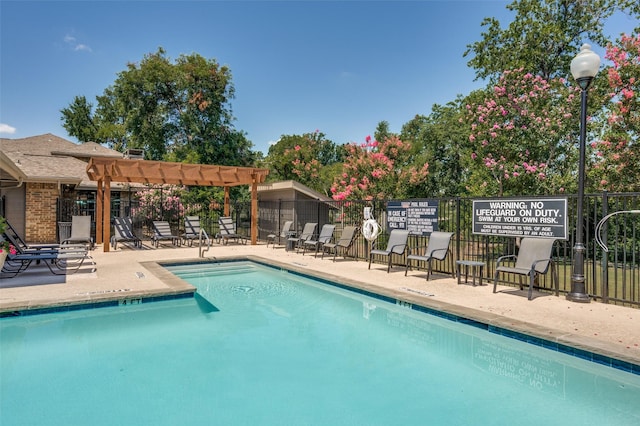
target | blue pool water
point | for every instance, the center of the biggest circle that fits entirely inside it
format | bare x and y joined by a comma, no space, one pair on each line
260,346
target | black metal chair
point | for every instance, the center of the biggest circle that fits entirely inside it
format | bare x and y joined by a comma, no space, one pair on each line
397,244
533,259
437,248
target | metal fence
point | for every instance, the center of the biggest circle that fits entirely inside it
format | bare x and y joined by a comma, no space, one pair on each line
612,277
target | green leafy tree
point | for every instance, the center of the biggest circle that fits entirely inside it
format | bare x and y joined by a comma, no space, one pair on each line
78,120
544,36
439,139
175,111
307,158
382,131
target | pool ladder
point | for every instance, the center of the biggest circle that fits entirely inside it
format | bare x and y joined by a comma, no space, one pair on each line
202,234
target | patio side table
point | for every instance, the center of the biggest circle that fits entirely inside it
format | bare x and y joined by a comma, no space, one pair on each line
475,267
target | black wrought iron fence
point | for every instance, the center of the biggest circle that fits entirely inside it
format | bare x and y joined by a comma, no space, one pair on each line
612,276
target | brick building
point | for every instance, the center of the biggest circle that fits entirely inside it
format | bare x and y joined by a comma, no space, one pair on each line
38,173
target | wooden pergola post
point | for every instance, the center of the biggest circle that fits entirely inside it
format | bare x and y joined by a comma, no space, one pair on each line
106,215
98,219
227,201
254,213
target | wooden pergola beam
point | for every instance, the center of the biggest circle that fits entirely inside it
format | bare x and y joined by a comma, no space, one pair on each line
145,171
107,170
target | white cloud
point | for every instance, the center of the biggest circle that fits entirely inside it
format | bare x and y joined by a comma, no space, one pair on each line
5,128
78,47
82,47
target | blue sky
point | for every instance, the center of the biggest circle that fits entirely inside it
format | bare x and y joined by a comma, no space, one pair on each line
340,67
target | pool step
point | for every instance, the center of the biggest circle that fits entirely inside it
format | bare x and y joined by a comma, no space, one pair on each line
216,269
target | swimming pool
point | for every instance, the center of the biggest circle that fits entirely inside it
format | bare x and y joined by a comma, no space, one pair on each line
264,346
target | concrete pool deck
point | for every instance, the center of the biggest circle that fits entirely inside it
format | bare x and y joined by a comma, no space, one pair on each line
126,273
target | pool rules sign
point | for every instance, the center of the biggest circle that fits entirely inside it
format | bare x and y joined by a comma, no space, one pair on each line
541,218
419,217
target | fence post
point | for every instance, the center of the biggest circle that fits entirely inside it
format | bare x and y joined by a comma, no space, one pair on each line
604,262
279,215
458,230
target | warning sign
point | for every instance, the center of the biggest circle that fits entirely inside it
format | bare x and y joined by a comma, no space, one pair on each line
541,218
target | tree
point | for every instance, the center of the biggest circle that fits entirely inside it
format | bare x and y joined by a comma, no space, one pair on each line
160,202
382,131
174,111
543,37
439,140
618,151
375,170
306,158
78,120
521,135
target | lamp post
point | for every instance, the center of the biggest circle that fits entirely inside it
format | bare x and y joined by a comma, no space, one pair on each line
584,68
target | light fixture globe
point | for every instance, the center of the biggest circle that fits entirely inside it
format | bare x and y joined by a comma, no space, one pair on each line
585,66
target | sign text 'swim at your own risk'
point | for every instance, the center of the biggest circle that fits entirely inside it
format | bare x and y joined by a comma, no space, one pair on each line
541,218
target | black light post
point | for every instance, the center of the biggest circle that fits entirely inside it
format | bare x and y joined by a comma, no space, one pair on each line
584,68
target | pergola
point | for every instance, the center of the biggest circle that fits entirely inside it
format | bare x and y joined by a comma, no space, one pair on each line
106,170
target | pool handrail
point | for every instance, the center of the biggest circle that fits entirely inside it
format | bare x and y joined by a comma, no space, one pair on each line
200,235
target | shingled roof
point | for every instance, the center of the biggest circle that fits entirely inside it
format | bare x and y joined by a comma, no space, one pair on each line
50,158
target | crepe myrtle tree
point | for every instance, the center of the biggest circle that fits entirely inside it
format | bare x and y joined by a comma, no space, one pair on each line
160,202
520,136
617,152
304,159
309,158
374,170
